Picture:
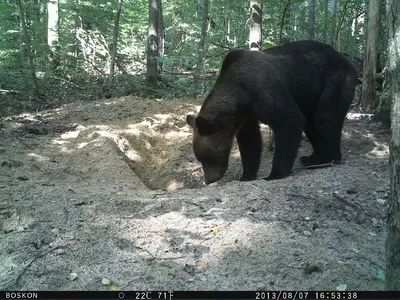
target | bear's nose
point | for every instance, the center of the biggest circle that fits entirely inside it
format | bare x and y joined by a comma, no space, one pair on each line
213,174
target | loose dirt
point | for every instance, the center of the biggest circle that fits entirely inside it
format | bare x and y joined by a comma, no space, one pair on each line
111,190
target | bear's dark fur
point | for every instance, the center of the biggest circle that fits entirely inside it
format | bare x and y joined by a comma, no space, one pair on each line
304,85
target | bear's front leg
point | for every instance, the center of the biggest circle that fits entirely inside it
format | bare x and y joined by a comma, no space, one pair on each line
250,147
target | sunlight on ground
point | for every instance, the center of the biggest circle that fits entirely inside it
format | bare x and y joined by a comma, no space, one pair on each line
154,143
359,116
148,142
70,135
175,185
133,131
38,157
380,151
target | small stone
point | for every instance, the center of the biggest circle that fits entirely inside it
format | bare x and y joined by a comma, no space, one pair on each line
381,201
73,276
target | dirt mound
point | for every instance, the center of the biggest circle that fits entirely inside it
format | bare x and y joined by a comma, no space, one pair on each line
111,189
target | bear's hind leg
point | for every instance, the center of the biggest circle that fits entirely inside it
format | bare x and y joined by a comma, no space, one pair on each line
250,147
327,132
309,130
287,141
328,123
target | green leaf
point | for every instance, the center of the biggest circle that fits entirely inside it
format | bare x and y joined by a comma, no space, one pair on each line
381,275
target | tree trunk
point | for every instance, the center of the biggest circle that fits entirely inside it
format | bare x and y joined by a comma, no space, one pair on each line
227,22
76,40
368,94
255,24
393,239
28,48
161,34
311,19
333,21
302,21
152,43
53,33
115,42
285,25
201,54
326,20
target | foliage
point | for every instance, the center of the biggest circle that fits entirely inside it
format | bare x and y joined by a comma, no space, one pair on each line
86,35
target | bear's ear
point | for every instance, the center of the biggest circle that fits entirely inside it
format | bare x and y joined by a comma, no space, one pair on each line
190,120
204,126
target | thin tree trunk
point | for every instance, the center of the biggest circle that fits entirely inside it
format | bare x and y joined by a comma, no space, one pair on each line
152,43
115,42
255,24
284,21
333,21
302,20
326,13
161,34
201,54
339,27
227,22
29,48
311,19
393,239
76,40
53,33
368,94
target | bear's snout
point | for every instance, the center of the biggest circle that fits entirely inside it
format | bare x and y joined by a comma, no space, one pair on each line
213,173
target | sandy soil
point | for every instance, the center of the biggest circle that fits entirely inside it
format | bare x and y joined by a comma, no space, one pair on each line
108,195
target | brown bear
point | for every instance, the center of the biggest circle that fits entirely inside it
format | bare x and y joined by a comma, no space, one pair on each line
304,85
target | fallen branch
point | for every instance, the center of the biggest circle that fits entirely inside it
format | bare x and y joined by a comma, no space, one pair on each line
196,169
344,201
62,79
12,92
25,144
187,73
32,261
331,164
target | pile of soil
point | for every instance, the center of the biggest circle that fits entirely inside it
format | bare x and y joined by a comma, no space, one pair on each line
111,190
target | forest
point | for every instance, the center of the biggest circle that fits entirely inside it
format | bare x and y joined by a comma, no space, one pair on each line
84,50
100,188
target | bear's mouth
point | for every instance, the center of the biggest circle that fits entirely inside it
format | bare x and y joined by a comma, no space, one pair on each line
213,173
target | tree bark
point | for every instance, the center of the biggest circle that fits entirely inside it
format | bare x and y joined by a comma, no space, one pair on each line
311,19
115,41
333,22
202,49
227,22
76,49
255,24
285,24
326,13
368,94
28,46
161,34
152,43
53,33
393,239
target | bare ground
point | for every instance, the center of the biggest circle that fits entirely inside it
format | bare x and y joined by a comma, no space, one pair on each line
111,190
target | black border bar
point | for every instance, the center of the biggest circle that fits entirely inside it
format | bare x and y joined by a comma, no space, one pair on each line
170,295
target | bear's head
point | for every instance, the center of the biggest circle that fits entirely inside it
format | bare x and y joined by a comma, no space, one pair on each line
211,146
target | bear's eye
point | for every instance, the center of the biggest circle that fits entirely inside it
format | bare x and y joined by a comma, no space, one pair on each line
204,126
206,158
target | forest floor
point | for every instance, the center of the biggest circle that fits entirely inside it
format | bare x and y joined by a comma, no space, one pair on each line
108,195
